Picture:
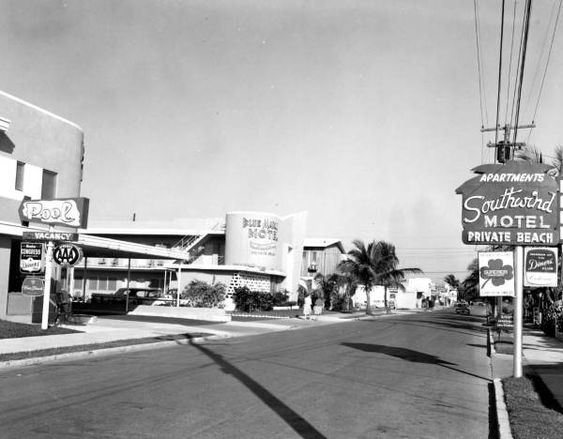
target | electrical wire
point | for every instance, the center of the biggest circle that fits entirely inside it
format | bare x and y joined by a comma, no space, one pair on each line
482,99
510,62
542,47
499,70
516,78
547,63
522,65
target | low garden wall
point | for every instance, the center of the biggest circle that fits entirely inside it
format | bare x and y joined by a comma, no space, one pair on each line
183,312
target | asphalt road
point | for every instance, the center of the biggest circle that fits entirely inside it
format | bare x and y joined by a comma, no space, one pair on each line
419,376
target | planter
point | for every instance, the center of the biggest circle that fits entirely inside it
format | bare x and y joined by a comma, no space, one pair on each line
184,312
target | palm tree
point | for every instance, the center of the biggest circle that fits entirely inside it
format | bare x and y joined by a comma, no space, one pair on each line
471,283
452,281
325,286
376,264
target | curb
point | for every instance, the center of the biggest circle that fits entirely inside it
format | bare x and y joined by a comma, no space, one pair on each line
105,351
503,421
502,415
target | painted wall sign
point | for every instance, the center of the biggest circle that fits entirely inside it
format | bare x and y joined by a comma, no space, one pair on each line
516,203
33,286
253,239
67,255
540,267
496,274
71,212
31,257
50,236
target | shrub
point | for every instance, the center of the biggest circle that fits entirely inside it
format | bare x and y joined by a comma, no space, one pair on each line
280,298
248,301
549,320
200,294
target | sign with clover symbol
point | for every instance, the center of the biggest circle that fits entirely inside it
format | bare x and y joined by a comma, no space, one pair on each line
496,274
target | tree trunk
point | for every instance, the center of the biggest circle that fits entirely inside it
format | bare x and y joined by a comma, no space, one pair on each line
385,299
368,304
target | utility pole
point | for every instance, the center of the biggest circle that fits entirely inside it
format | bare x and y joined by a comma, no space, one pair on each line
505,148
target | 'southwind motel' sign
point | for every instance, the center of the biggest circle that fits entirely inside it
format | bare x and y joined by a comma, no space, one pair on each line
516,203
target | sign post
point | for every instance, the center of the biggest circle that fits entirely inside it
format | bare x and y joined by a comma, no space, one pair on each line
518,301
514,204
68,212
48,275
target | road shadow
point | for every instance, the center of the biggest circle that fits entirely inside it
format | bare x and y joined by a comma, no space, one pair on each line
410,355
299,424
402,353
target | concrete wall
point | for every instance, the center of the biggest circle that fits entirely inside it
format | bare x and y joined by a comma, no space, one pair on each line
293,232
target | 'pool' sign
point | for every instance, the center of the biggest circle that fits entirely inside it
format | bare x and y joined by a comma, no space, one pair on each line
516,204
71,212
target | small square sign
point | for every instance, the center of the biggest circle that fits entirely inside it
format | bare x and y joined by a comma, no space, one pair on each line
496,274
540,267
31,257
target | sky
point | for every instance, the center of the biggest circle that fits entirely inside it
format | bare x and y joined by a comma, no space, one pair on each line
366,114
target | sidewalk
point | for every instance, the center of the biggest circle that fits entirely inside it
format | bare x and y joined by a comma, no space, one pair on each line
163,331
541,354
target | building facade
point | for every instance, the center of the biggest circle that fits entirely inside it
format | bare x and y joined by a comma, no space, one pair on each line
254,249
41,156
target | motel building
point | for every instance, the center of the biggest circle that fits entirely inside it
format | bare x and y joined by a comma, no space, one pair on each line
259,250
41,158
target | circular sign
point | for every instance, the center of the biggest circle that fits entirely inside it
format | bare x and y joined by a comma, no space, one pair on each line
67,255
33,286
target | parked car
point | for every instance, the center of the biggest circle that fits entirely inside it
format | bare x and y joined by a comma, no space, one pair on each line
479,309
140,296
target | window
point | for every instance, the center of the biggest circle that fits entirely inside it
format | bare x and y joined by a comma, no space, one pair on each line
102,284
48,185
20,173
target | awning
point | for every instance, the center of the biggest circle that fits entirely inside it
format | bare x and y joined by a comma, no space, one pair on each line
97,247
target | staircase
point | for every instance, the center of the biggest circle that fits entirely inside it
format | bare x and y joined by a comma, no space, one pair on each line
189,243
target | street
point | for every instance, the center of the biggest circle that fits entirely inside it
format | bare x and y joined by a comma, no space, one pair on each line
424,375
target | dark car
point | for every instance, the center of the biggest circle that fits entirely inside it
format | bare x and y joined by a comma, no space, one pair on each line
462,308
141,294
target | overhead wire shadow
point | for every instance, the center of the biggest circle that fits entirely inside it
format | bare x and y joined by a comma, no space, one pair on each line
299,424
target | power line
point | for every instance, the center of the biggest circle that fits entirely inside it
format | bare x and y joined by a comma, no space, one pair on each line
482,99
499,71
510,61
548,59
522,64
511,120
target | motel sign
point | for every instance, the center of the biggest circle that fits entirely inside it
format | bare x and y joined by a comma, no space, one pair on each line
516,203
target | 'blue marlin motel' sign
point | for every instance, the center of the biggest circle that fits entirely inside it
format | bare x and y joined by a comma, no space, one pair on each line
516,203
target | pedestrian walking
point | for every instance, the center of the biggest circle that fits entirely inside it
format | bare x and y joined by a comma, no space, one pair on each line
307,306
318,308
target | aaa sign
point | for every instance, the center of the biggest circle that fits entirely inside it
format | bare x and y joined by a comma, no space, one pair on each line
67,255
515,204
